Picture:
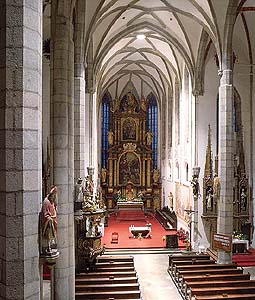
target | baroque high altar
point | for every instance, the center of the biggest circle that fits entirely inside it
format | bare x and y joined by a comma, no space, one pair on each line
129,175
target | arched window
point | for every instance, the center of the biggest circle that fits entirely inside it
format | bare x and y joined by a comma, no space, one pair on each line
152,126
105,126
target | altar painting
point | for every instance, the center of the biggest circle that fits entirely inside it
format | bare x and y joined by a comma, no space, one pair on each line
129,130
129,169
183,201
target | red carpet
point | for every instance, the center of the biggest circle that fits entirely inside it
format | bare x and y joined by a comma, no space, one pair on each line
125,240
245,259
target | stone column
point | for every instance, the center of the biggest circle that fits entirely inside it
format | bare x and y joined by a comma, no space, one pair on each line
88,129
79,122
79,94
20,147
226,160
62,143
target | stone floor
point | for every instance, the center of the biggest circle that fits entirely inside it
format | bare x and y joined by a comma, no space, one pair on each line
155,282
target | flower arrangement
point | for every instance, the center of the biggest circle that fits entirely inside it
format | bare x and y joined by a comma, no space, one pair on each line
182,234
239,235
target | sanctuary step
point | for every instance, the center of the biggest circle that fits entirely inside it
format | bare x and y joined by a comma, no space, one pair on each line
131,215
114,277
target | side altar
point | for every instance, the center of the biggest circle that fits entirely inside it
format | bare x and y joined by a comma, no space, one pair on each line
129,174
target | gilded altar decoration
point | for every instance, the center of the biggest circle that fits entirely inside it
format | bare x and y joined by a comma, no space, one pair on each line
129,164
156,175
110,137
129,147
129,103
129,129
103,175
148,137
129,168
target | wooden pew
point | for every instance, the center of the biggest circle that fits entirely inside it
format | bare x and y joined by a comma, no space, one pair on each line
100,280
211,277
183,274
219,291
112,274
183,257
191,286
227,296
102,288
176,263
210,268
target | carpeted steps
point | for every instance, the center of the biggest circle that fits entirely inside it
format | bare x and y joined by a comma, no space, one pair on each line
113,278
130,215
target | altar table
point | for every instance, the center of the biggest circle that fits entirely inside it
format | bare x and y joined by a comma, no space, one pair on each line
240,246
142,231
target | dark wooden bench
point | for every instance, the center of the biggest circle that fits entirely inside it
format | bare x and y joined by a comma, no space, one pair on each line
100,280
107,295
114,274
211,277
181,257
227,297
176,263
213,268
166,217
191,286
107,287
216,291
183,274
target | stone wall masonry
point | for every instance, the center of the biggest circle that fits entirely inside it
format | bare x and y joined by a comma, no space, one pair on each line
20,147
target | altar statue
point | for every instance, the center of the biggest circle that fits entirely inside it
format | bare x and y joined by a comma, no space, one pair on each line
103,175
110,136
155,175
216,186
78,195
171,200
129,192
148,137
209,199
243,200
49,222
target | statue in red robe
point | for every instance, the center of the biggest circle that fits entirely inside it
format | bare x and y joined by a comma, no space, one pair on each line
49,222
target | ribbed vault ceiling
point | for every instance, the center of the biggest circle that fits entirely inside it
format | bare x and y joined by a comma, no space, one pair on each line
172,31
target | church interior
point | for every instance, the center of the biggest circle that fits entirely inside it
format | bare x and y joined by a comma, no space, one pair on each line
127,149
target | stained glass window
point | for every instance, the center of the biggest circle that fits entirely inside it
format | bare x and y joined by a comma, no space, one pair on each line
105,118
152,122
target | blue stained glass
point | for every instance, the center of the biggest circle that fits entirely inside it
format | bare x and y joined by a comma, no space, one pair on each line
104,130
152,124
